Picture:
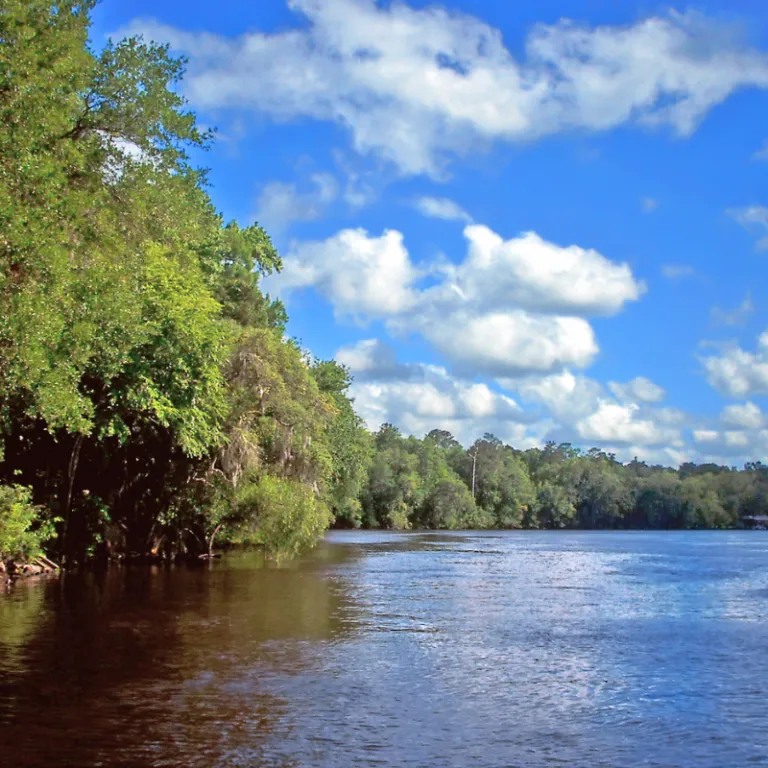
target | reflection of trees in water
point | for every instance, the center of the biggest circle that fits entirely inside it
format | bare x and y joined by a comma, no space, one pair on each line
161,667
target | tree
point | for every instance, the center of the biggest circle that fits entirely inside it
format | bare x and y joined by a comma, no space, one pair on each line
449,504
145,381
350,445
502,484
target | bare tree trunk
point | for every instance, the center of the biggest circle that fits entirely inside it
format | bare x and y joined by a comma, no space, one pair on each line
474,463
74,458
210,541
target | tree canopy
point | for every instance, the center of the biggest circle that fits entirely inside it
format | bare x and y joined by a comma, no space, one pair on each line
149,398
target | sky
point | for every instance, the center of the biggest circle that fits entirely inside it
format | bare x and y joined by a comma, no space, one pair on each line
547,220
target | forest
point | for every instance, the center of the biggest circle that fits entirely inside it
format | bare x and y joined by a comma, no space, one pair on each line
152,403
435,483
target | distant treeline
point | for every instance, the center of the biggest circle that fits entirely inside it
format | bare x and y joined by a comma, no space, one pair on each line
151,403
436,483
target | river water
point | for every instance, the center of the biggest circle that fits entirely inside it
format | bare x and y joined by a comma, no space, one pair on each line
379,649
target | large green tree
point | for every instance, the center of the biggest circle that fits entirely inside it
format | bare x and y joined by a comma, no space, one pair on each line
147,391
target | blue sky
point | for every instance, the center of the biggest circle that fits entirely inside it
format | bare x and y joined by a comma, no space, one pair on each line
546,220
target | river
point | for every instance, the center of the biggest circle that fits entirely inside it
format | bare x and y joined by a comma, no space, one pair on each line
382,649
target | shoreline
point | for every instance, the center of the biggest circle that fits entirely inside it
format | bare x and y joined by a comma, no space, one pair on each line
11,571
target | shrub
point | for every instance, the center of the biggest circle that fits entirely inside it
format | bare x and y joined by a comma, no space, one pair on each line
22,526
288,516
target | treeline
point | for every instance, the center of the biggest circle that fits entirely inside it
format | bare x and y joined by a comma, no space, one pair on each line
150,401
435,483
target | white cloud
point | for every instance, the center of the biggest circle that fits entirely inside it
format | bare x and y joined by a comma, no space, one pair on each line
724,447
511,308
530,273
738,373
565,395
640,390
582,413
361,275
656,455
671,416
649,204
280,203
676,271
737,316
371,358
747,416
357,192
122,154
706,435
511,343
442,208
624,424
743,438
753,218
736,439
414,84
418,397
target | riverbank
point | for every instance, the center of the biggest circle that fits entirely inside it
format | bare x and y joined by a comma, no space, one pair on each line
11,571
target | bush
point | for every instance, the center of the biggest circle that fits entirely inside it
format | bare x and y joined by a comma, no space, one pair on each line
288,516
22,527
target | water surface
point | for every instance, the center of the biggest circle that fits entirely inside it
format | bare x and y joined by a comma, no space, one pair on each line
380,649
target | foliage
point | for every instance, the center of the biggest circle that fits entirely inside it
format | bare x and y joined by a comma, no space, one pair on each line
146,385
428,484
23,528
290,516
350,444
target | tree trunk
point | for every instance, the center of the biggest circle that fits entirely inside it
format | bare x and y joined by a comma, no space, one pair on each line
210,541
74,458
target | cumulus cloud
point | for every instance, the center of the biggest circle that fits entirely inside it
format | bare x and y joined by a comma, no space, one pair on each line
724,446
623,424
671,416
510,343
508,309
531,273
514,307
413,85
566,396
740,437
417,397
706,435
640,390
280,203
565,407
738,373
371,359
361,275
583,413
746,415
753,218
442,208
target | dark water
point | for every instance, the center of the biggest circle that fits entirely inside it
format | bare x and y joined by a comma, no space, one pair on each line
519,649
